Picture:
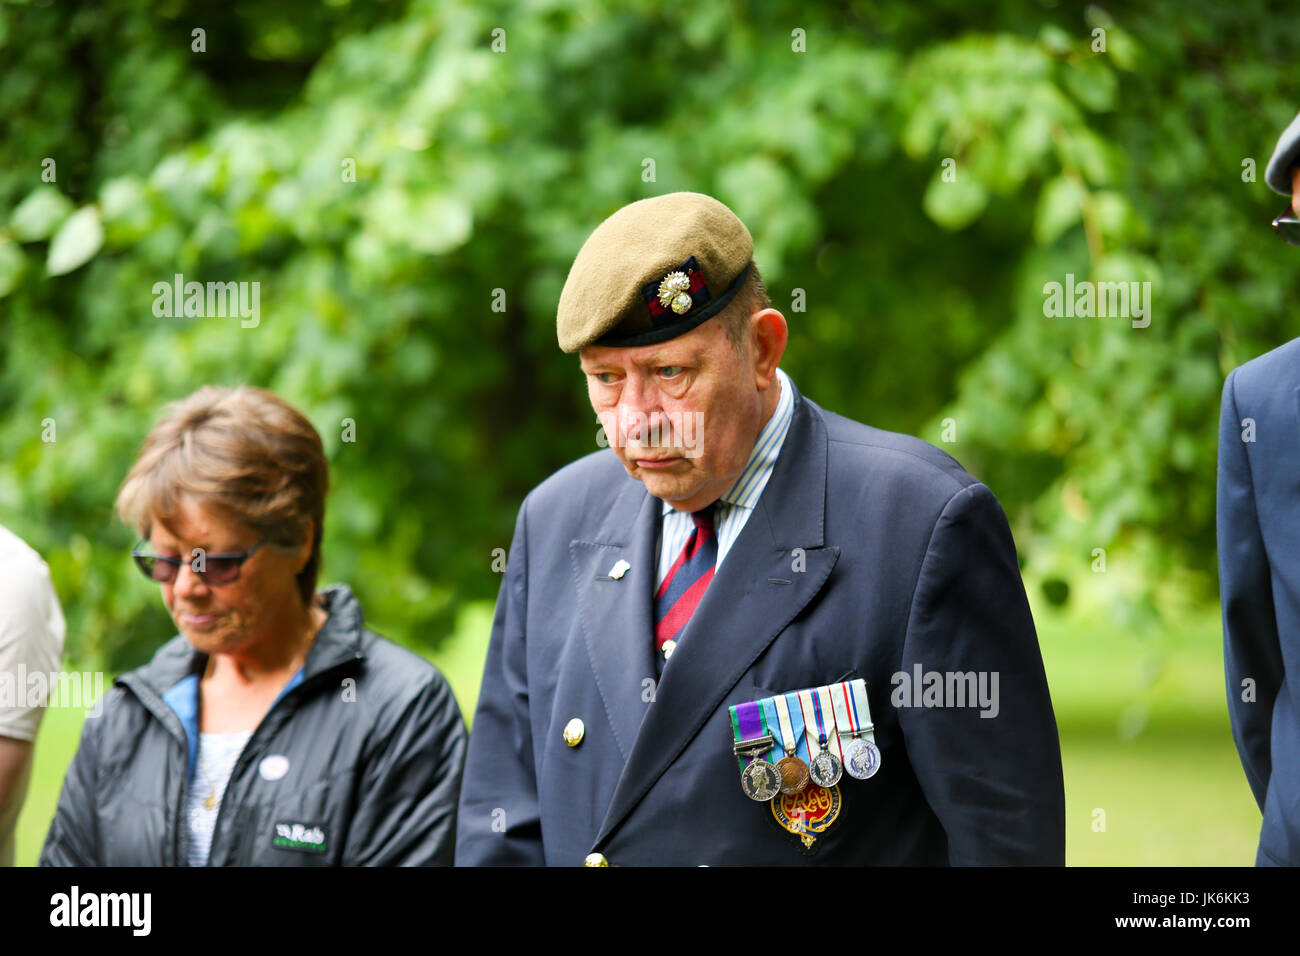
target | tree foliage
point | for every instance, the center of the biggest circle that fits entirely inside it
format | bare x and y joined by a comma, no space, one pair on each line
388,173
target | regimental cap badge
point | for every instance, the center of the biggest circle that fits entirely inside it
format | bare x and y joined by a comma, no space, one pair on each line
677,293
673,293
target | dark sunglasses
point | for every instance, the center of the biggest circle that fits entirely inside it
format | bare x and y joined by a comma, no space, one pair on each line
215,569
1288,227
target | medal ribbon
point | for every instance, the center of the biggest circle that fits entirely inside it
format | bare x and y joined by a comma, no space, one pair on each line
846,711
810,721
826,712
748,722
862,709
789,718
824,715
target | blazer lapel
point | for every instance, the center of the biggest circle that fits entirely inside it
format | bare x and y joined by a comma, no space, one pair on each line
617,626
751,599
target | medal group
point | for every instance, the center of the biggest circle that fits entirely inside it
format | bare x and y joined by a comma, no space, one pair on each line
831,725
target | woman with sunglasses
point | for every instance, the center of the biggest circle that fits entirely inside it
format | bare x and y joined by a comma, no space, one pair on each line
274,729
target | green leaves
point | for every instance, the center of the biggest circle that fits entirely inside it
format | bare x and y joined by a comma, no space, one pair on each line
387,178
12,265
955,204
1060,206
440,223
76,242
37,216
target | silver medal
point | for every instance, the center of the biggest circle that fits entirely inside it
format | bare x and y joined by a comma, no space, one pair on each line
826,769
760,780
861,758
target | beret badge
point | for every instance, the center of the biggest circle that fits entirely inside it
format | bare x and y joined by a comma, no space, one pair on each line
674,293
677,293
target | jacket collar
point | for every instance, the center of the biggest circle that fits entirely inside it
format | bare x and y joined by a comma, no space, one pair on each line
168,685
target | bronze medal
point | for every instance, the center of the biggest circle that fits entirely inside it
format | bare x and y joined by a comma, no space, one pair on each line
794,773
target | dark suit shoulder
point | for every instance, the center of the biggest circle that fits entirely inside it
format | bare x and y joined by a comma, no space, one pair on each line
902,463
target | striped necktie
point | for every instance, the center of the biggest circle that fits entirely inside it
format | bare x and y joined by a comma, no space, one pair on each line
686,581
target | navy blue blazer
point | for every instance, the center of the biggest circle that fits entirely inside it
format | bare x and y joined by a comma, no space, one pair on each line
1259,584
868,553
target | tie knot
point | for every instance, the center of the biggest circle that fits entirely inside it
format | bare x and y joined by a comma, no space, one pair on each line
704,517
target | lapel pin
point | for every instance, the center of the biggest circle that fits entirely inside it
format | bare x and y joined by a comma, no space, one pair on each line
619,569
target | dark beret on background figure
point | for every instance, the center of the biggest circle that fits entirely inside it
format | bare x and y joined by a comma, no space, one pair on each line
1285,157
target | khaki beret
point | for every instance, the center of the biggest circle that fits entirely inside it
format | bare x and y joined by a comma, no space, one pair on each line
652,271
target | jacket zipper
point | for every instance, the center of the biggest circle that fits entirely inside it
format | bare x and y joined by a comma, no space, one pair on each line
248,745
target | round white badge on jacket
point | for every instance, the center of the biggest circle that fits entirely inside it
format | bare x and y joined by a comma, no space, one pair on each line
273,767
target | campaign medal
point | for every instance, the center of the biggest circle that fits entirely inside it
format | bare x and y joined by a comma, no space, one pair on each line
794,772
862,758
825,767
853,713
758,778
760,781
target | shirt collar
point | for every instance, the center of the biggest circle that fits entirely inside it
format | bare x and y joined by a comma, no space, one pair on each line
762,459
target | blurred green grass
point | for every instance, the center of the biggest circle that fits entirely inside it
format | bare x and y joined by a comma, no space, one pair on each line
1152,777
1143,723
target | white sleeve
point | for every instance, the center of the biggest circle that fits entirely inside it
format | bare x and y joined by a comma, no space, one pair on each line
31,637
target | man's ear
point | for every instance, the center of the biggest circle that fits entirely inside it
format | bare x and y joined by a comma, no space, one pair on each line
1295,190
770,337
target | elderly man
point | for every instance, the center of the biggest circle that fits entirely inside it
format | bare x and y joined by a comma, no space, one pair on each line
1259,571
734,636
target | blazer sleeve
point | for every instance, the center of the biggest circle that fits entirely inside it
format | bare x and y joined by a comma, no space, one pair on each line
73,838
500,821
1251,649
991,773
406,814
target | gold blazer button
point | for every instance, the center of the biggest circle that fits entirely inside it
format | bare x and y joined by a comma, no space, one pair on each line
573,733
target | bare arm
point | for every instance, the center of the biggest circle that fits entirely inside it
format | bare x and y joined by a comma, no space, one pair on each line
14,754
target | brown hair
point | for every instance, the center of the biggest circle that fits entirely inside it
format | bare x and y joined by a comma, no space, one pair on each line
750,298
245,452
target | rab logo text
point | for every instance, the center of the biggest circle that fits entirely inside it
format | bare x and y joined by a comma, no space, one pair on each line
299,836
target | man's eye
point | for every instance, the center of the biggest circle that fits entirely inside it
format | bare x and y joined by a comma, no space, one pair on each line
671,371
607,378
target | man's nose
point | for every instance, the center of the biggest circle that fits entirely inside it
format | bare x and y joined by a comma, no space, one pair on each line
638,406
